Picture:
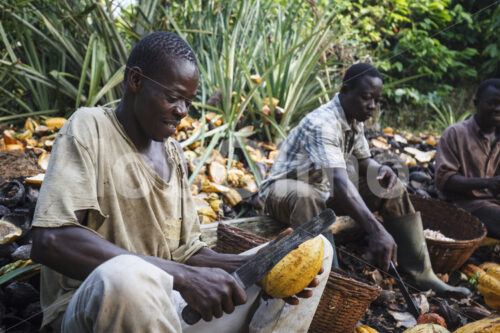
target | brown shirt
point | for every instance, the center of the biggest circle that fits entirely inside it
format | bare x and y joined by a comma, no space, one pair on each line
94,166
465,150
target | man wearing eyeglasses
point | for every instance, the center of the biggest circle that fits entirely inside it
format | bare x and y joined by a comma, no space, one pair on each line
115,211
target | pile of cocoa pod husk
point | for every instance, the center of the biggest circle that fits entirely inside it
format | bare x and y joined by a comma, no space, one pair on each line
389,312
24,157
410,155
221,190
19,294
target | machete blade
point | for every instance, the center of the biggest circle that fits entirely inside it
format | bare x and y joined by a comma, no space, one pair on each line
256,268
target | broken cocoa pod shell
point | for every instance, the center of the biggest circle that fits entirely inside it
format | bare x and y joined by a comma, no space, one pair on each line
422,193
4,210
20,294
416,185
453,320
233,176
32,194
207,215
12,193
475,312
432,191
233,197
43,160
8,232
41,130
217,172
30,124
5,251
210,187
385,298
55,123
33,313
376,151
22,252
248,183
420,176
19,217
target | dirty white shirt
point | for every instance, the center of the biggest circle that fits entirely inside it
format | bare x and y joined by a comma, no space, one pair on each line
94,166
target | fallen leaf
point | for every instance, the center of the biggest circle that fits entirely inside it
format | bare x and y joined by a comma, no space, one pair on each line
404,319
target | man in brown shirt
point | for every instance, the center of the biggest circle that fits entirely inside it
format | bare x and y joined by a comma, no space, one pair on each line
468,159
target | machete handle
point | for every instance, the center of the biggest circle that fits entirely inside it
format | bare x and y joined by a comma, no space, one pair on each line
190,315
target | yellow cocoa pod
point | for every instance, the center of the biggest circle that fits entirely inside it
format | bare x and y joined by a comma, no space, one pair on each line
296,270
427,328
365,329
487,325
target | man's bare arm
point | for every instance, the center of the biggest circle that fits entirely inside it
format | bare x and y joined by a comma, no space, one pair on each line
385,175
76,252
345,193
464,185
206,257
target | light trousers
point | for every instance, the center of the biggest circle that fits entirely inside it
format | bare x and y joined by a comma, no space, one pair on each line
294,202
128,294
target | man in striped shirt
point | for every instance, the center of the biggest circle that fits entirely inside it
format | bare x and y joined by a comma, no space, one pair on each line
319,164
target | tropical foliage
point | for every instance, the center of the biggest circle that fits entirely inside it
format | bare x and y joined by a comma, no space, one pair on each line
451,42
263,63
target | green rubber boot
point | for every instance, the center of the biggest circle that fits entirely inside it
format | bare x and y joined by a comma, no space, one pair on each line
413,257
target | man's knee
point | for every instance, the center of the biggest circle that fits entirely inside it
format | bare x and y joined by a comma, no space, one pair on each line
293,202
126,275
123,292
292,190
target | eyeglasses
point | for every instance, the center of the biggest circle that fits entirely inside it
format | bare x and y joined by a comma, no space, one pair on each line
174,98
171,95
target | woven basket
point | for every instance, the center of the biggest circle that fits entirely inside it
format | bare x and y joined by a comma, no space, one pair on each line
342,305
344,300
235,240
467,230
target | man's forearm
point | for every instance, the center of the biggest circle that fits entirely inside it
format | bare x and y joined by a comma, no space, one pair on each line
465,185
206,257
367,163
76,252
346,194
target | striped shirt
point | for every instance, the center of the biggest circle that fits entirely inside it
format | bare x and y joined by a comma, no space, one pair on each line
323,139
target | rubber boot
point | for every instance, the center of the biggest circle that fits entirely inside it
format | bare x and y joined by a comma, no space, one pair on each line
413,257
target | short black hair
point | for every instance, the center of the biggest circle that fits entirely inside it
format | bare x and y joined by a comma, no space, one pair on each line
356,72
484,85
153,50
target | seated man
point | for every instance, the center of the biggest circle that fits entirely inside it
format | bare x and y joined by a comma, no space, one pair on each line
468,159
311,173
115,211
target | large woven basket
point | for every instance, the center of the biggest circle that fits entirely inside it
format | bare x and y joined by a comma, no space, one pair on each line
344,300
342,305
467,230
